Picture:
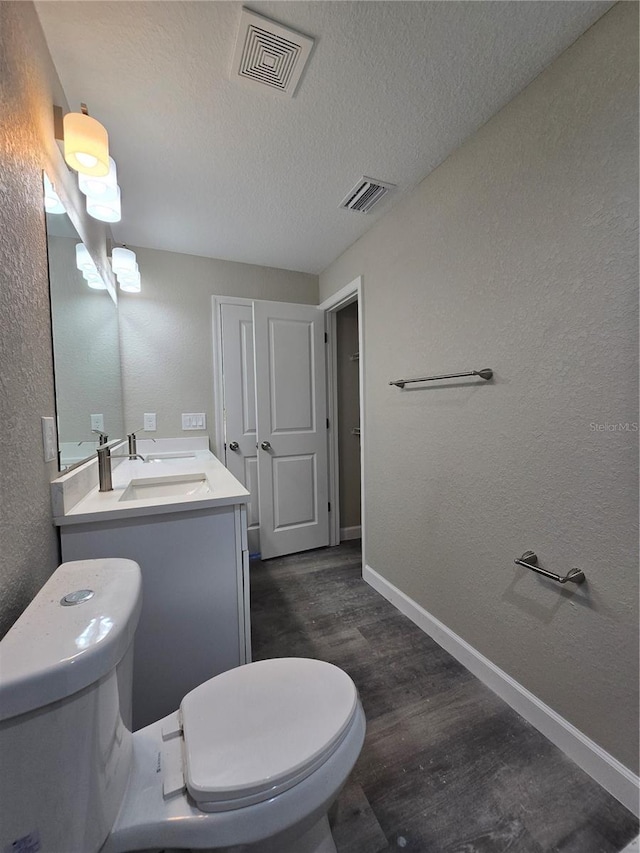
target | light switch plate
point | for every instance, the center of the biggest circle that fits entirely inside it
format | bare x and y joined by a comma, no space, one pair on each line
49,439
150,422
97,422
194,420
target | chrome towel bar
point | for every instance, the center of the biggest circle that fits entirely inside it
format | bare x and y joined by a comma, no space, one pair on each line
530,561
485,373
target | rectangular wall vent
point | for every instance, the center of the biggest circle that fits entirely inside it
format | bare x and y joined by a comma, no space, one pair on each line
366,193
268,54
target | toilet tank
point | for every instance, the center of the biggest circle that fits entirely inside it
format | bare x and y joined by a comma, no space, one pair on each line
65,708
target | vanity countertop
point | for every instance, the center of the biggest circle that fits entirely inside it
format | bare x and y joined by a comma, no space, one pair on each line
222,490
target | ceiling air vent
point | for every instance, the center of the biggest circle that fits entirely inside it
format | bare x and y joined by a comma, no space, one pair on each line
268,54
366,193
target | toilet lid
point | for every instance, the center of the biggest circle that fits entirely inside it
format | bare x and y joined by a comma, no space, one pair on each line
259,729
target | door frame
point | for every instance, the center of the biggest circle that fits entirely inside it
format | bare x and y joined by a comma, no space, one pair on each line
352,292
218,396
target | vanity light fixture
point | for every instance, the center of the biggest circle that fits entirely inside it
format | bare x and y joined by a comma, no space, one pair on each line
123,260
86,144
52,203
130,282
94,280
89,271
84,261
105,188
126,270
103,209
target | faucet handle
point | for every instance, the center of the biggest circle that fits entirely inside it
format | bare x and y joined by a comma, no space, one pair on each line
103,437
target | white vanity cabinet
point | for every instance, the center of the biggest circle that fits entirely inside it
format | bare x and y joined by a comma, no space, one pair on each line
194,558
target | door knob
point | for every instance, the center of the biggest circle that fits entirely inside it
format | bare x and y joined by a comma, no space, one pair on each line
265,445
233,445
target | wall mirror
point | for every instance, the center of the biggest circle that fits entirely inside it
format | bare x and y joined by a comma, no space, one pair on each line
86,350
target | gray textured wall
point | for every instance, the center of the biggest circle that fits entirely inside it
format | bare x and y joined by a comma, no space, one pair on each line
28,542
348,388
519,253
166,331
29,87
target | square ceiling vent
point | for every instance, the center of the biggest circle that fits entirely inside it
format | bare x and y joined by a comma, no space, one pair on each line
366,194
268,54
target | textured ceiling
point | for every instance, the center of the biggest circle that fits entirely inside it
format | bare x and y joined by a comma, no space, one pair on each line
209,166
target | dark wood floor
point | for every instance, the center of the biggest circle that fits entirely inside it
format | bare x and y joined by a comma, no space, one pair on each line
447,766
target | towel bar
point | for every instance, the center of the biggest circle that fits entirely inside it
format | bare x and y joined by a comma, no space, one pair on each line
485,373
530,561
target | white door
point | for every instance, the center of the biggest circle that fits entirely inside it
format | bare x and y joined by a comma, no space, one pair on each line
289,353
239,394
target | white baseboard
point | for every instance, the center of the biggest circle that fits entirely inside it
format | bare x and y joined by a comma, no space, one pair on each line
607,771
633,847
350,533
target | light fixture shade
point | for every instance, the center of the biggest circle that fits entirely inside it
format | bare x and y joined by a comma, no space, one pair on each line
94,280
105,211
130,282
100,189
52,203
123,260
86,144
84,261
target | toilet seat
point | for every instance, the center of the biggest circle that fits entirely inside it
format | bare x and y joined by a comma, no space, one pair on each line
258,730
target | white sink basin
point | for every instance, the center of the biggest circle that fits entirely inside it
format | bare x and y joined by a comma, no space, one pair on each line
176,486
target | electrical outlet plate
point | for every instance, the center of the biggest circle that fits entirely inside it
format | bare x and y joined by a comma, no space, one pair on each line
150,422
194,420
49,439
97,422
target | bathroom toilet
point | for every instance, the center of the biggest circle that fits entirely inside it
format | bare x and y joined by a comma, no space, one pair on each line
251,762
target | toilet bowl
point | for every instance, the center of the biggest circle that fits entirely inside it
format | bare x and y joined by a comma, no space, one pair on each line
251,762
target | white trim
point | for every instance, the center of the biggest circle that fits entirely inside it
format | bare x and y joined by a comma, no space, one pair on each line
617,779
218,381
333,456
351,292
218,397
347,533
345,296
633,846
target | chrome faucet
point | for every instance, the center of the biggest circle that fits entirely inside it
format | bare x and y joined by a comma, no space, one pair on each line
104,466
103,438
133,447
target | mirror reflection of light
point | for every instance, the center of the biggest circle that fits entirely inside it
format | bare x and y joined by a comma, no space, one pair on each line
52,203
96,630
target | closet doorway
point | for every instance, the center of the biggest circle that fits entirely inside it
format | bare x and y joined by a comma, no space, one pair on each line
344,318
348,421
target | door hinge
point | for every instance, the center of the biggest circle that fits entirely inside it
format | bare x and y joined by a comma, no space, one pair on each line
326,338
329,506
327,423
